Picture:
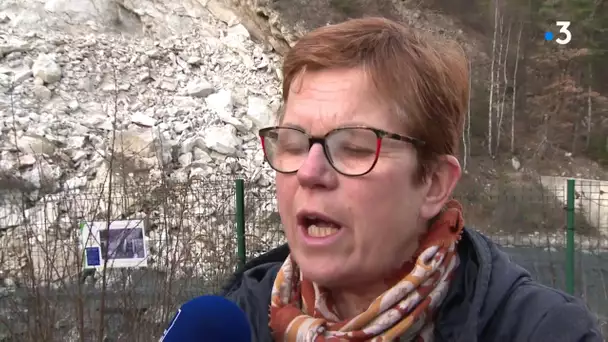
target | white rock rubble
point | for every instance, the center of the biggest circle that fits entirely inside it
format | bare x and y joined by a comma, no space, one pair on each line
74,99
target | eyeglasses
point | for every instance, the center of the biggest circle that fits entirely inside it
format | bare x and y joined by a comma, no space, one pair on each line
351,151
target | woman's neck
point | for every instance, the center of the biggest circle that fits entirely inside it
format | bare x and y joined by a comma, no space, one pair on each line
354,300
351,302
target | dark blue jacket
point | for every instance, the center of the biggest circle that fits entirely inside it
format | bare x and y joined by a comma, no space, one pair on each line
491,299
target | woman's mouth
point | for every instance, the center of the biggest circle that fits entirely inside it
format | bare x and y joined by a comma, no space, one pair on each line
318,226
321,230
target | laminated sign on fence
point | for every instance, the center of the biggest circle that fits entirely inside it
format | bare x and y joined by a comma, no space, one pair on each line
121,244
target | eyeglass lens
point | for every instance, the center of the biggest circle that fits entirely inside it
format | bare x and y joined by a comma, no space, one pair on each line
350,151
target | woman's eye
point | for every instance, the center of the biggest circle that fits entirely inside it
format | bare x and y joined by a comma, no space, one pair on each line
291,147
352,149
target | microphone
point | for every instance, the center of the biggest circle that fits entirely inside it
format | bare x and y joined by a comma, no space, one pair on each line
208,319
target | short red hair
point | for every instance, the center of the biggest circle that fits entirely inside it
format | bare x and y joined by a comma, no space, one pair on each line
427,83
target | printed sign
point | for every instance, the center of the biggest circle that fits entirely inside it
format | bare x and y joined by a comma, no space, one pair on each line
120,245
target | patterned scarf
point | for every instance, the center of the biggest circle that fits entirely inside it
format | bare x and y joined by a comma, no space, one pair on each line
302,311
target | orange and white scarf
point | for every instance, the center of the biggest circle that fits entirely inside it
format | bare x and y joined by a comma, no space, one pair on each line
303,311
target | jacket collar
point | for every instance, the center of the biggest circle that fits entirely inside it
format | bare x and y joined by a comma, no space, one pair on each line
475,293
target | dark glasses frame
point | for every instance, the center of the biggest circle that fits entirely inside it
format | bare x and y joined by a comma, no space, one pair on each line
322,140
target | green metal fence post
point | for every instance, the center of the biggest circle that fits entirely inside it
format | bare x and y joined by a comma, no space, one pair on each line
240,222
570,237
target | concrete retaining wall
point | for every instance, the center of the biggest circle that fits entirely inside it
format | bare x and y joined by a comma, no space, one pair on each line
591,199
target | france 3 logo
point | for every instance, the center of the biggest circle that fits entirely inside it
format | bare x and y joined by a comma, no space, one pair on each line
563,36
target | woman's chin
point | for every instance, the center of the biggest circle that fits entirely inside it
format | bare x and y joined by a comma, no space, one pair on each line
324,272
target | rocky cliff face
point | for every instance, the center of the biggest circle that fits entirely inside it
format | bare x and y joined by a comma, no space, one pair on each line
134,89
280,23
197,77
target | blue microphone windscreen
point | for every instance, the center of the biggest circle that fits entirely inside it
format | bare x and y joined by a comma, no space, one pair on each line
208,319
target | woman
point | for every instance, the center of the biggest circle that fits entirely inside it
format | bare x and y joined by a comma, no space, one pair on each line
364,154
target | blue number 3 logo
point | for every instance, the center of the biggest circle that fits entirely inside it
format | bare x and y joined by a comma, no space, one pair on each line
563,28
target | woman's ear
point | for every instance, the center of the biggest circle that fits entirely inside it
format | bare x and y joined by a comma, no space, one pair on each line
441,183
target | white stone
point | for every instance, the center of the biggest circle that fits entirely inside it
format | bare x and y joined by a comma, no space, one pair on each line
180,127
194,60
76,142
169,84
42,93
238,124
78,155
222,139
199,88
21,75
185,159
135,142
189,144
46,68
201,156
221,102
76,182
27,160
33,144
259,112
13,44
143,120
85,8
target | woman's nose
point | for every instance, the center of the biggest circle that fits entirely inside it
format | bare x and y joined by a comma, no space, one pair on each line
316,170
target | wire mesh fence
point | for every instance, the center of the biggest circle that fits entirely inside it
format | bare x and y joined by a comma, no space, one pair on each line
46,295
194,246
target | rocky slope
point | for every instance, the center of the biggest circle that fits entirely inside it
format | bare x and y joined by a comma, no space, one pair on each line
81,87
